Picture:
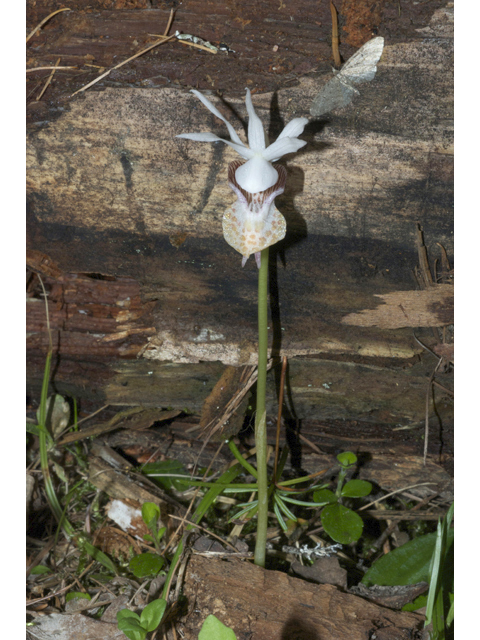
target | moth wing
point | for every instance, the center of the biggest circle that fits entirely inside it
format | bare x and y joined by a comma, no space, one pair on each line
339,91
334,95
362,66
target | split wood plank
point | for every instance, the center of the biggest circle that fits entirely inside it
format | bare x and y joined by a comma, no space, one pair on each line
270,605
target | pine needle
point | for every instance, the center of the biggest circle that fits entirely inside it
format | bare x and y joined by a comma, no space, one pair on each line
49,79
40,25
162,39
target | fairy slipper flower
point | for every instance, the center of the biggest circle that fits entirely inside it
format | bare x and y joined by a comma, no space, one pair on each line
257,174
253,222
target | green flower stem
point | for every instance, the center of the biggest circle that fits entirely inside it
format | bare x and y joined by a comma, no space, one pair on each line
261,415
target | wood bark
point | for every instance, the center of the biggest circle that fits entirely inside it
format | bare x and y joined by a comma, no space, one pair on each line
125,220
429,308
270,605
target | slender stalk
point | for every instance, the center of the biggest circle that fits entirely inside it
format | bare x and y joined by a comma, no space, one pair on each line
261,416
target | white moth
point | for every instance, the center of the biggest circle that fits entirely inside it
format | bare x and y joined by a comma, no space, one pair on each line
339,91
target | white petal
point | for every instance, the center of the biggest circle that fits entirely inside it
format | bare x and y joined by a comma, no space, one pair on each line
216,112
294,128
241,149
200,137
256,134
256,175
281,147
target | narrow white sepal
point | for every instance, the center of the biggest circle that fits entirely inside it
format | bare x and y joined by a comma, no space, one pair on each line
256,134
216,112
294,128
241,149
281,147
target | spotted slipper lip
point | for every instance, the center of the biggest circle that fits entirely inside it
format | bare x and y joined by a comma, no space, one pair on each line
253,222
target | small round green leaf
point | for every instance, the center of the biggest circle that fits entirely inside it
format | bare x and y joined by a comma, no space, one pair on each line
150,511
152,614
213,629
342,524
72,595
129,622
324,496
126,614
356,489
347,458
39,570
145,564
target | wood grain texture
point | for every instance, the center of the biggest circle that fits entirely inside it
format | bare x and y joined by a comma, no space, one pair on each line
269,605
431,307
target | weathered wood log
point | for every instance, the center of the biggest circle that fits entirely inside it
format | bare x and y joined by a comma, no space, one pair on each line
429,308
270,605
129,218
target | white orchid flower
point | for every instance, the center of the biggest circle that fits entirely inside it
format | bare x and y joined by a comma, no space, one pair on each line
253,223
257,174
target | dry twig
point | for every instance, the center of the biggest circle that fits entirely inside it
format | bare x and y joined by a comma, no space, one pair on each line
427,414
207,531
425,280
335,39
40,25
392,493
49,79
47,68
137,55
163,39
